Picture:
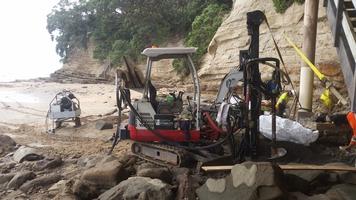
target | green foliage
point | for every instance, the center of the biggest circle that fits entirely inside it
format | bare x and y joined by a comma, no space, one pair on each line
282,5
120,26
203,30
69,23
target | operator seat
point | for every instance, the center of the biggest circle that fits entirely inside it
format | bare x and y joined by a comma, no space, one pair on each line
152,96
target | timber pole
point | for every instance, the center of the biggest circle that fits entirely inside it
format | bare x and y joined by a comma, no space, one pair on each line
309,43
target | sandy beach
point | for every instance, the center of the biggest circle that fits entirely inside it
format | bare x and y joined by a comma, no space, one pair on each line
24,105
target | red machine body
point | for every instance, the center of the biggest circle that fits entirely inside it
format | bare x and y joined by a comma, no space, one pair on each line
144,135
210,131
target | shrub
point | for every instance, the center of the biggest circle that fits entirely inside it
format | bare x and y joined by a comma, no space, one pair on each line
203,30
282,5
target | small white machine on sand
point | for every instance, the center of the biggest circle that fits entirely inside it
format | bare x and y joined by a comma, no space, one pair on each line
64,107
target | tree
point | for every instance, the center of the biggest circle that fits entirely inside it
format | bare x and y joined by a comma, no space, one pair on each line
120,26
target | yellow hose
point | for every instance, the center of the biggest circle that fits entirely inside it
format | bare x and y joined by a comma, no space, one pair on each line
306,60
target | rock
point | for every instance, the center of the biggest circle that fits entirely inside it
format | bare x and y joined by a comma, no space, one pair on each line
305,180
85,191
63,190
160,173
342,192
105,175
186,187
297,196
247,181
20,178
318,197
307,175
40,181
342,176
7,144
89,161
57,187
102,125
65,196
49,163
101,177
141,188
27,153
294,183
348,177
6,167
216,185
4,178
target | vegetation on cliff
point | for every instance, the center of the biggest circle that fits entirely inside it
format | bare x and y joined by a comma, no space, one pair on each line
203,29
126,27
282,5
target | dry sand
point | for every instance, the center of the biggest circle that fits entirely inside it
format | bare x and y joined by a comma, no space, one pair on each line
24,105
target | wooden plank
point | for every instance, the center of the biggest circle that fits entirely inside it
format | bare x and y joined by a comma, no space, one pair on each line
351,13
348,4
289,167
339,11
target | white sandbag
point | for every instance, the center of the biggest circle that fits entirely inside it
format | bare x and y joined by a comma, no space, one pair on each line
287,130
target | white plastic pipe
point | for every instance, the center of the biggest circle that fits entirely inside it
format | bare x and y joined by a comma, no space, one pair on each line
306,88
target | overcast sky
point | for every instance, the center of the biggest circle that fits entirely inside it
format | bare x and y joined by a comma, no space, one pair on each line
26,49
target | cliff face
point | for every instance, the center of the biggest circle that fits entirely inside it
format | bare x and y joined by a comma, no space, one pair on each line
82,61
231,37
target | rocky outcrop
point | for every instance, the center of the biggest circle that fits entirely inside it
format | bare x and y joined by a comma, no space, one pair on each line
7,144
106,174
20,178
142,188
231,37
250,181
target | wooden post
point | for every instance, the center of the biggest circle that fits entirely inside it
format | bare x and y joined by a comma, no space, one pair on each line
307,76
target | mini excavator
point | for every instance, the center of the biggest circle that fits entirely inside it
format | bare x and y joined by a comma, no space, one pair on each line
177,131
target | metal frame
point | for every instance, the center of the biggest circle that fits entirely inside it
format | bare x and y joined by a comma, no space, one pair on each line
155,54
345,42
75,109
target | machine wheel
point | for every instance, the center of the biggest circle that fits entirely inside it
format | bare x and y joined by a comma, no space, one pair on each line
77,122
58,124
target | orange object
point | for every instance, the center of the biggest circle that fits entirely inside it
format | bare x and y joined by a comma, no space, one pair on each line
351,118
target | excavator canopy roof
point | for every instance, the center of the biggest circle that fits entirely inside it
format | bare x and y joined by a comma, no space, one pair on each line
164,53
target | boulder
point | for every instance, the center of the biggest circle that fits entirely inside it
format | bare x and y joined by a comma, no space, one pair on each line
139,188
102,125
250,181
99,178
89,161
7,144
65,197
27,153
161,173
49,163
297,196
105,175
57,187
20,178
342,192
306,175
85,191
318,197
186,187
7,166
305,180
62,190
40,181
4,178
